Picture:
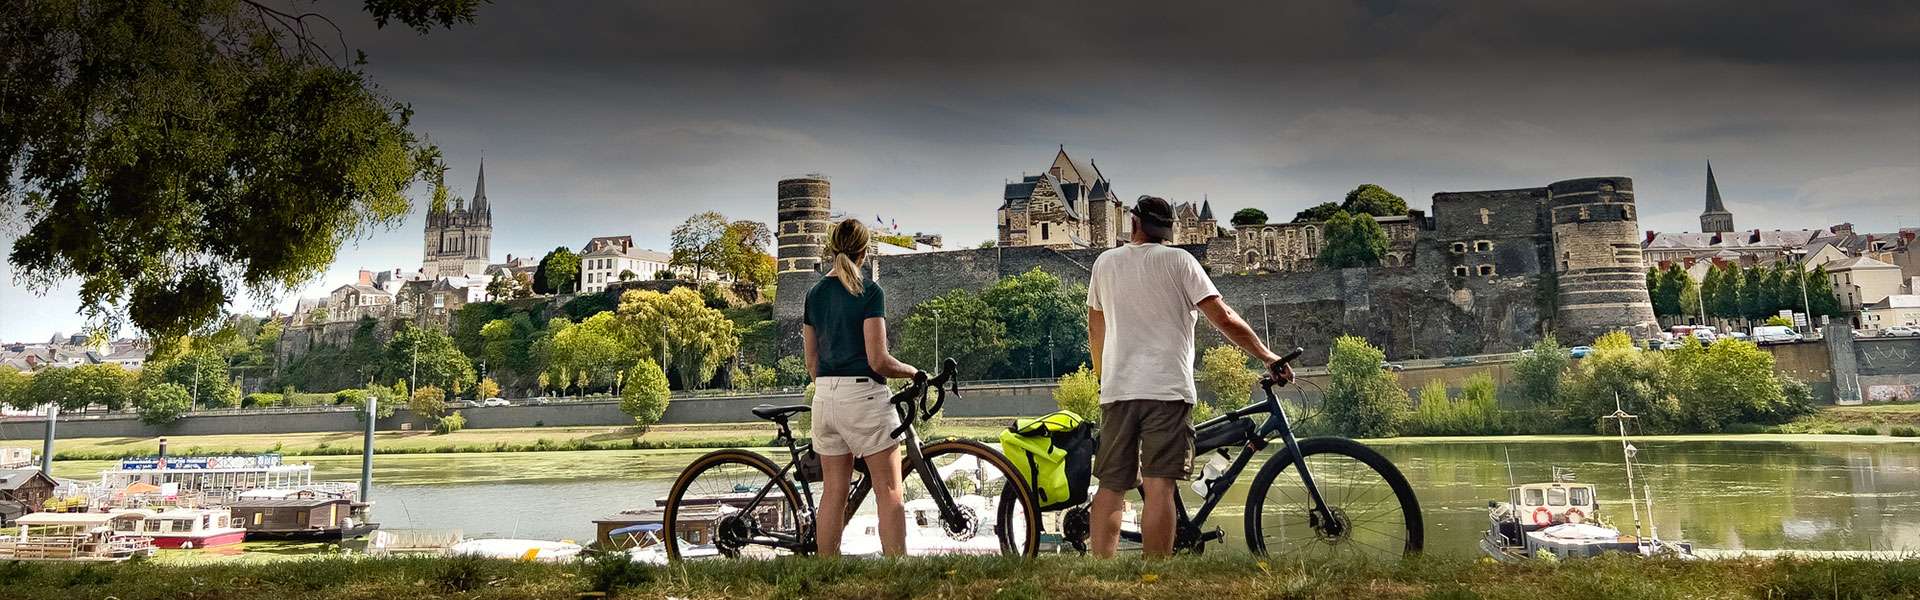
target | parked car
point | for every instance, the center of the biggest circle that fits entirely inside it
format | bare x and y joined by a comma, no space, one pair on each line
496,402
540,401
1668,345
1901,331
1580,351
462,403
1775,334
1459,360
1738,336
1392,366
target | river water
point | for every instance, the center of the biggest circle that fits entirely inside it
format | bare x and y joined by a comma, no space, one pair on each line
1829,493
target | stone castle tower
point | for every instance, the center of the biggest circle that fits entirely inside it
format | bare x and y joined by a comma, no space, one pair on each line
804,207
458,241
1716,218
1596,257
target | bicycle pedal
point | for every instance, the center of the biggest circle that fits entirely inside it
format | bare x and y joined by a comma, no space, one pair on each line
1213,536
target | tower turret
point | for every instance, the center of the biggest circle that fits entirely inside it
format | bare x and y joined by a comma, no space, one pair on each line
1596,257
804,206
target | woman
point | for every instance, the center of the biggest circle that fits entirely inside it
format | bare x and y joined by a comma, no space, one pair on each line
844,334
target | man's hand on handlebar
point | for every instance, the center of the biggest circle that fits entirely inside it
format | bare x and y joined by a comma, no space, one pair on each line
1280,372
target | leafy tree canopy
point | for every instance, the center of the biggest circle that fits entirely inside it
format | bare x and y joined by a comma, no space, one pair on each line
1373,200
1249,216
438,362
679,327
558,273
1321,212
1362,399
1353,241
969,332
171,154
1045,322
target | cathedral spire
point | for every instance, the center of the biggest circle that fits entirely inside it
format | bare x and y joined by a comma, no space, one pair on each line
1716,218
1713,192
480,205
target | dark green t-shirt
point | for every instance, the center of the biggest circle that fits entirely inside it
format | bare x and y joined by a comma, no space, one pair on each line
838,319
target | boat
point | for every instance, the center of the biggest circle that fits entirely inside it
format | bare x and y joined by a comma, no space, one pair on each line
183,528
540,550
644,545
1561,518
316,519
72,537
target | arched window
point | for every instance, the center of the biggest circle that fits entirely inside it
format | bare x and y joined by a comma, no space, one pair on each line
1312,234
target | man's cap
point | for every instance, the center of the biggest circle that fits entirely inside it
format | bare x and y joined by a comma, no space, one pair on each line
1156,215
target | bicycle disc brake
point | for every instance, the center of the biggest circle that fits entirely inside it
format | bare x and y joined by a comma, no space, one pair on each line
966,528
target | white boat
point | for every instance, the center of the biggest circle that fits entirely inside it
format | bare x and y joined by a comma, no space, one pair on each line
540,550
84,537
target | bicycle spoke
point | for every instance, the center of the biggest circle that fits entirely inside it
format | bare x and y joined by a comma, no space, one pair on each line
1366,513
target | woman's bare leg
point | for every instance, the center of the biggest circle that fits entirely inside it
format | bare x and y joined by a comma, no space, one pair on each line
836,471
883,468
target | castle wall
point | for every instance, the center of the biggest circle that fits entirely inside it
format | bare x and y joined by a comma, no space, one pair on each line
1600,278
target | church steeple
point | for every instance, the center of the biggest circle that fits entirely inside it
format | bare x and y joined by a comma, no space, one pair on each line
481,209
1716,218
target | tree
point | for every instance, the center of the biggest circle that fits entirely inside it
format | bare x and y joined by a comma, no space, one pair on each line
169,155
1353,241
487,388
594,349
1362,399
988,244
1225,378
647,394
162,404
791,370
743,252
1079,392
428,401
970,333
1820,293
558,273
426,356
1373,200
679,327
1790,279
1249,216
13,387
1730,382
1666,287
1616,370
202,371
698,243
105,385
1537,375
1722,290
1779,321
1045,319
1756,293
628,275
503,286
1321,212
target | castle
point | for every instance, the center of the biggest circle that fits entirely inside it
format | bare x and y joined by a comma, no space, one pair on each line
1488,271
1072,205
458,240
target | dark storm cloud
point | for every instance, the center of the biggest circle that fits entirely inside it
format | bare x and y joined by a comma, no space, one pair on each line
852,33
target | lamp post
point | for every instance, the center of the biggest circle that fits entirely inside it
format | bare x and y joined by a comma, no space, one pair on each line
366,449
936,335
1804,302
413,381
1265,323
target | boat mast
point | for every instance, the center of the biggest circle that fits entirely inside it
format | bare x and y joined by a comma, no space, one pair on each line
1621,417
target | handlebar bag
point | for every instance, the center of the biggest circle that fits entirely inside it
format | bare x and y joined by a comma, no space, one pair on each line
1054,454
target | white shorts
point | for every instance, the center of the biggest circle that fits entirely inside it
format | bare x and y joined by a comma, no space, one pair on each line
851,415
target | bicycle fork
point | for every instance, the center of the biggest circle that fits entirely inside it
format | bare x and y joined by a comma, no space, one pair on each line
950,513
1318,515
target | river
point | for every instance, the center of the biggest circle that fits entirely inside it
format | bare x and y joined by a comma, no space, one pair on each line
1792,492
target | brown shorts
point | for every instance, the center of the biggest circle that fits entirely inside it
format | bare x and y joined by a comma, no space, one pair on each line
1143,437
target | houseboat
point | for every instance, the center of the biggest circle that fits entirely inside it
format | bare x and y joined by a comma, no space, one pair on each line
322,519
184,528
80,537
206,480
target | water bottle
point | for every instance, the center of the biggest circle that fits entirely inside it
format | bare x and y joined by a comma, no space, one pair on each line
1216,465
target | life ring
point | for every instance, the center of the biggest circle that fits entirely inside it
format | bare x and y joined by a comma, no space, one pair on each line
1542,516
1575,516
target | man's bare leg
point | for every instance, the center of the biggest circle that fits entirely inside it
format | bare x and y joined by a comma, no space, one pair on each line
1105,515
1156,518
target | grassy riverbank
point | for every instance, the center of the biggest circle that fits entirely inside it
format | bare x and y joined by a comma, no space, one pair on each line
967,578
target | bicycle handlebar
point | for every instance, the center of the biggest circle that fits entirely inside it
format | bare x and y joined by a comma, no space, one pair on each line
943,384
1267,381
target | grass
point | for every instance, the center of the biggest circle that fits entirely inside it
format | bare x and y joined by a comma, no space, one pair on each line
528,439
1214,578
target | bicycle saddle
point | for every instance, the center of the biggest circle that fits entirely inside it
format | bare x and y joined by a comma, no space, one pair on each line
779,413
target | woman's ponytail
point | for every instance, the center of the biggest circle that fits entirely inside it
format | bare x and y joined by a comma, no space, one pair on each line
848,243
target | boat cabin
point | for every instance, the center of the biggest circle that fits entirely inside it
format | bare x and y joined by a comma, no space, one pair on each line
180,527
1544,504
296,518
72,537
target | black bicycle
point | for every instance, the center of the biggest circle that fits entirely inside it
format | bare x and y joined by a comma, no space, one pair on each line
962,496
1317,497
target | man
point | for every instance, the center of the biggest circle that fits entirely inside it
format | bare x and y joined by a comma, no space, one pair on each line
1140,318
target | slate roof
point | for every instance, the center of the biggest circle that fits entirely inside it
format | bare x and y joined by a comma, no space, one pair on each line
12,479
1859,262
1898,301
1714,205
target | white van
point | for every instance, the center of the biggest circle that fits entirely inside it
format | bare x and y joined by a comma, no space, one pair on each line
1775,334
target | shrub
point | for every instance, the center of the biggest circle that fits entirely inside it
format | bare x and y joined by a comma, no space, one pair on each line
1618,375
1866,430
646,395
449,424
487,388
791,370
1537,376
429,402
1728,382
1904,432
305,399
1362,399
1225,378
262,400
164,403
1079,392
1473,412
1201,412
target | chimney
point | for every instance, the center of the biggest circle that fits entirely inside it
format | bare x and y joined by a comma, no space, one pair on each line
163,454
1650,235
366,277
1054,171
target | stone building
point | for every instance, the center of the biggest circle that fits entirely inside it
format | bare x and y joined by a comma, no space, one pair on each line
1193,225
1070,205
1716,218
605,260
458,240
1282,247
1861,281
1599,275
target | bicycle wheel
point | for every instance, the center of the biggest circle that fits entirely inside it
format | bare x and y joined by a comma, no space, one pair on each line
1375,514
710,510
1002,517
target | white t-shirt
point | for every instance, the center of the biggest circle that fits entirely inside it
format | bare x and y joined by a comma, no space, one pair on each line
1147,294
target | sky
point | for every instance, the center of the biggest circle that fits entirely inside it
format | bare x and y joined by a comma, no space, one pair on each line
613,118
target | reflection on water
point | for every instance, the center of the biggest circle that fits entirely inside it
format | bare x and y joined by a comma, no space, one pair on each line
1718,494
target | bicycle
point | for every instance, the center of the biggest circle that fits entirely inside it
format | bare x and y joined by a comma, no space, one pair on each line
1304,517
737,502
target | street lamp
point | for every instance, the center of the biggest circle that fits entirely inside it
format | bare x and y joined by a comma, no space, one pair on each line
1265,323
936,335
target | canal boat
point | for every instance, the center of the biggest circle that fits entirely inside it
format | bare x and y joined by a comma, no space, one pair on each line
329,519
72,537
1561,518
183,528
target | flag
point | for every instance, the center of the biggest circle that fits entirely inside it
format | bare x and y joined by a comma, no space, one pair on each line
893,224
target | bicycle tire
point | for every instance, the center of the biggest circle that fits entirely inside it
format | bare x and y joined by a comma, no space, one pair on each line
670,518
1015,501
1292,509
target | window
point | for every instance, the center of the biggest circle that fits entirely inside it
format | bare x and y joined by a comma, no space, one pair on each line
1459,271
1486,216
1459,247
1557,497
1486,270
1533,497
1582,496
1045,230
1483,246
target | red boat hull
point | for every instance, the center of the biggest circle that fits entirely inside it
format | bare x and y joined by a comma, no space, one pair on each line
196,542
